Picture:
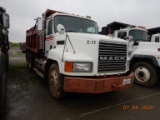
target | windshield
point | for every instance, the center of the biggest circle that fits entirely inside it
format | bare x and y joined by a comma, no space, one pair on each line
139,35
75,24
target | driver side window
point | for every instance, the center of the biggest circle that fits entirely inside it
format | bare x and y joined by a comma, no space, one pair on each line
157,39
50,27
122,35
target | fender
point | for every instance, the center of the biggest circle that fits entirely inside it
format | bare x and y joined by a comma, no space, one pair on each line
150,57
56,55
2,63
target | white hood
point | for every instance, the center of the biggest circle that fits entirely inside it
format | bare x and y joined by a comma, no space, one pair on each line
86,48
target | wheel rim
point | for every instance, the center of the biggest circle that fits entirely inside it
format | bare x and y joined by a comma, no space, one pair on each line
142,74
53,82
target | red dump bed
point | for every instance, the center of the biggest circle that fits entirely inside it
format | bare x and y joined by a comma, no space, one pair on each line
32,41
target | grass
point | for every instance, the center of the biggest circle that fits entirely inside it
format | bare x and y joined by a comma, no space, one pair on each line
12,44
18,73
17,66
16,54
20,76
20,54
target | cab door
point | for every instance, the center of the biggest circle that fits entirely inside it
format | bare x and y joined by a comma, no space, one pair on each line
49,40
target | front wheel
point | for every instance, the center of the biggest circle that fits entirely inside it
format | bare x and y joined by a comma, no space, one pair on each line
145,74
55,80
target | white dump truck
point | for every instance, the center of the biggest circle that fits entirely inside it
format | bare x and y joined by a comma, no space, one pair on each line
67,50
145,55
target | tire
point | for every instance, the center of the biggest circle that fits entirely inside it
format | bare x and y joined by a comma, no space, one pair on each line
30,61
55,81
2,94
145,74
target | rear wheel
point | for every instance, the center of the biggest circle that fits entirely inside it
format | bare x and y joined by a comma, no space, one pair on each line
55,80
145,74
2,94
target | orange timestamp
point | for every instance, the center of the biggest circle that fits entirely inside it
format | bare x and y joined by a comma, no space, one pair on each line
137,107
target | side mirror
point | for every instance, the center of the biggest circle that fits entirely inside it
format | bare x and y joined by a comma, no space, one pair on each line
39,23
60,29
6,20
130,38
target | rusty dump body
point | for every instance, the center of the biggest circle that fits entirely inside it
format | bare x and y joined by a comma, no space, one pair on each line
32,42
95,86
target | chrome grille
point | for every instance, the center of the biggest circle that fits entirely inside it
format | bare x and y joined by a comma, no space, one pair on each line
112,57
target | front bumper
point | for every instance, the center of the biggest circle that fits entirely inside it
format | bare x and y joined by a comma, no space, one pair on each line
95,86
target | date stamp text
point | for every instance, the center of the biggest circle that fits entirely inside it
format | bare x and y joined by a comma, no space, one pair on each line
137,107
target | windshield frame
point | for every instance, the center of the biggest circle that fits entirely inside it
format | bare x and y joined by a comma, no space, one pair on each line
80,23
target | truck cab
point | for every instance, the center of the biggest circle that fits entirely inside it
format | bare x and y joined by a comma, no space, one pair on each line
73,25
136,34
144,55
155,38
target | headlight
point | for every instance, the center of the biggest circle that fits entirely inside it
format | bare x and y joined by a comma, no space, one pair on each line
78,67
82,67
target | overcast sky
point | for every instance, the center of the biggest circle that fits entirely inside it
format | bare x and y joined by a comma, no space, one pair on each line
137,12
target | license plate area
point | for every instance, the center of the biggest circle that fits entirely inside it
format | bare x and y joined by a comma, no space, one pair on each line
126,81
